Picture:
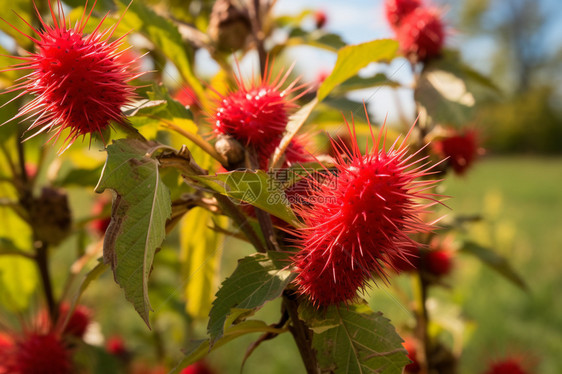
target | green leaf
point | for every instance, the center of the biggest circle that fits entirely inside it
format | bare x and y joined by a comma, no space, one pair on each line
256,280
148,115
357,83
297,121
79,177
353,58
200,348
139,213
447,89
164,35
15,8
361,342
200,259
253,187
496,262
316,38
18,275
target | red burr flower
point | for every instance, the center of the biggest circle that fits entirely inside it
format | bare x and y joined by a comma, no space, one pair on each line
460,148
256,114
358,220
187,97
78,322
507,366
79,81
296,152
320,18
421,34
410,346
116,346
40,354
6,345
397,10
200,367
409,263
439,262
99,225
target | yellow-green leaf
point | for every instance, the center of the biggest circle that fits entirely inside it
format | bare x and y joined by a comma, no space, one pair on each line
353,58
200,257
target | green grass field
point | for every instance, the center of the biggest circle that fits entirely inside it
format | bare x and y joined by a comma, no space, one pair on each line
521,201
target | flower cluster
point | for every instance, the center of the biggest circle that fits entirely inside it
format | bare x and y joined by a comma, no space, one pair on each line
362,225
418,28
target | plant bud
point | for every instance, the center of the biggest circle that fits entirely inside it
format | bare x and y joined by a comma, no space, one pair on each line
51,216
231,149
229,26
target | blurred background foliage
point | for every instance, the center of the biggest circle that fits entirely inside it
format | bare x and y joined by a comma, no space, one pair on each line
524,58
517,43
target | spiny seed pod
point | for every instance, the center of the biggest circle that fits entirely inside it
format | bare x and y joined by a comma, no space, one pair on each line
79,81
320,18
397,10
40,354
256,114
100,224
461,149
116,346
359,218
51,216
200,367
78,322
409,345
439,262
187,97
506,366
421,34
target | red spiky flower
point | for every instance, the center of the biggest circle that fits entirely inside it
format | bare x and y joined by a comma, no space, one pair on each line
397,10
410,345
80,82
358,220
421,34
438,260
39,354
100,224
200,367
116,346
320,18
257,113
461,149
507,366
78,322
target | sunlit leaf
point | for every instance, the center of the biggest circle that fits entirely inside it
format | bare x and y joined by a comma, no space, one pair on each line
297,121
253,187
357,83
200,258
256,280
200,348
24,9
139,213
353,58
79,177
18,275
495,261
362,341
446,89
